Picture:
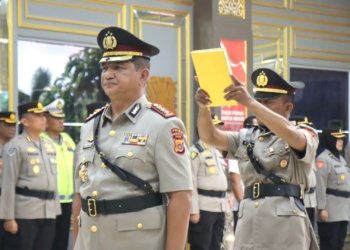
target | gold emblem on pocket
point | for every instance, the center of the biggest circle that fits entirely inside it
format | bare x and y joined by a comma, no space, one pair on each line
36,169
283,163
83,173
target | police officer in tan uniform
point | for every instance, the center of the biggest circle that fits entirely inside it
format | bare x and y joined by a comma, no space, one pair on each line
29,201
209,202
333,190
310,201
133,174
274,161
7,132
65,148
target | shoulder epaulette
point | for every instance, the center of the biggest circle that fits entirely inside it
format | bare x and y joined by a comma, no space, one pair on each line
161,110
96,113
198,146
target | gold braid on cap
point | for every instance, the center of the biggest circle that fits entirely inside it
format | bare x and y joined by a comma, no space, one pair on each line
271,90
122,53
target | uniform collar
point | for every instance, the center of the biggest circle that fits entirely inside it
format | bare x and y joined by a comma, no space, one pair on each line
131,113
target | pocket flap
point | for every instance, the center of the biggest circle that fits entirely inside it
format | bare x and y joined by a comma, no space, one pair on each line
289,209
140,220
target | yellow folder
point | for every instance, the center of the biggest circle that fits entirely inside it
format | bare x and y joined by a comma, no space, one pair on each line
213,72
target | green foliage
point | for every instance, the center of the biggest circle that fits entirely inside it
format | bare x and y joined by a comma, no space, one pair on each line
41,80
78,85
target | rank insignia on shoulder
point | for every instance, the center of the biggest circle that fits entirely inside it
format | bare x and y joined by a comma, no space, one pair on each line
320,163
179,142
194,155
162,111
96,112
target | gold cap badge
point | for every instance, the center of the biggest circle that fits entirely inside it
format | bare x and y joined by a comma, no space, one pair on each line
109,42
261,80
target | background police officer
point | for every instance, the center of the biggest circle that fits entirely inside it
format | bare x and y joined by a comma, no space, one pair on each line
29,201
310,201
7,132
65,148
274,160
209,202
133,174
332,190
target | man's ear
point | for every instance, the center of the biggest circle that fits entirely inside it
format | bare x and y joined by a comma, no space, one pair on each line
24,122
289,107
144,75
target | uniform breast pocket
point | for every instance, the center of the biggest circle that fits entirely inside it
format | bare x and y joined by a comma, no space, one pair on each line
278,156
131,159
86,156
149,219
342,174
53,163
34,165
241,154
292,207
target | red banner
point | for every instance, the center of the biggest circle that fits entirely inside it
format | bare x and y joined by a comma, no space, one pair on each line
233,116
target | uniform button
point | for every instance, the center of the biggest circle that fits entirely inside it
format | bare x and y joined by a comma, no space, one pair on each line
256,204
111,133
139,226
103,165
261,138
130,154
93,229
294,211
94,193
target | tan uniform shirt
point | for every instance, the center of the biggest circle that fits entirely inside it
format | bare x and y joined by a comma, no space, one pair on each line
273,223
333,173
32,165
208,172
347,154
146,144
1,162
310,197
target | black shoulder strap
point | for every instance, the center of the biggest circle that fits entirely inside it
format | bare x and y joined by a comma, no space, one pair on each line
198,146
257,166
121,173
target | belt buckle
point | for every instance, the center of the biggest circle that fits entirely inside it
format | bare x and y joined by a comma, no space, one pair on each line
91,207
256,190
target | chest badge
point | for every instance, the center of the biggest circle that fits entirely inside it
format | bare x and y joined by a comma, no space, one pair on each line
283,163
83,173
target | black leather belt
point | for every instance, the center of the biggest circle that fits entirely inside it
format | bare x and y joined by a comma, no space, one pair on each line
311,190
94,207
212,193
336,192
44,195
260,190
